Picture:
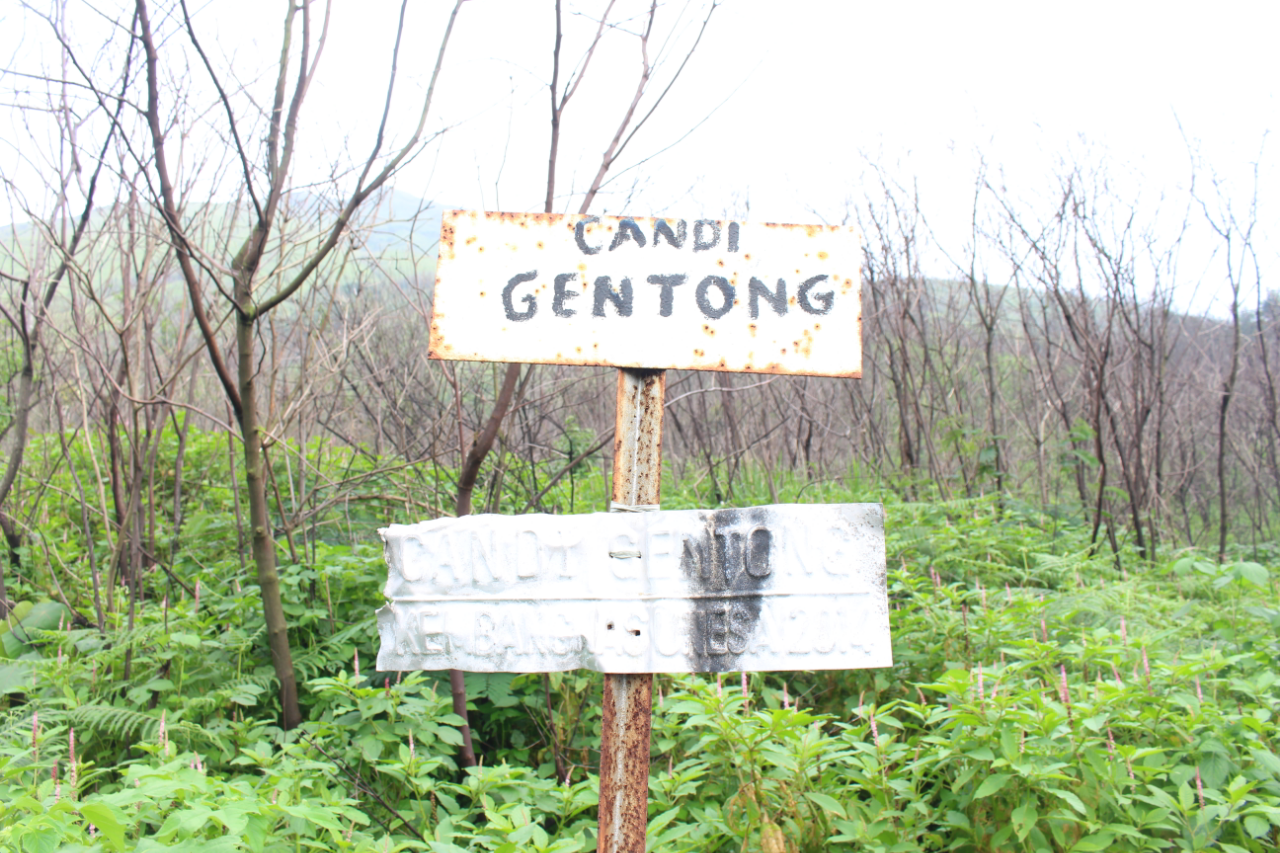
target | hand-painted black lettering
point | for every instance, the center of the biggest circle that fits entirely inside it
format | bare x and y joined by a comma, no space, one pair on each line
777,299
563,294
667,282
580,235
621,298
699,228
733,236
531,304
627,230
823,299
726,292
663,230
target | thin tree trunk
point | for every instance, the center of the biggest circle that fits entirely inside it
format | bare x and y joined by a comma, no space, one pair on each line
263,545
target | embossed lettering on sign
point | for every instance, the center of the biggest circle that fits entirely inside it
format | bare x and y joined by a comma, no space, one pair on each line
765,588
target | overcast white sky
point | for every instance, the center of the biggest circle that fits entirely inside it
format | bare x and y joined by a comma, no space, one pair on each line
805,95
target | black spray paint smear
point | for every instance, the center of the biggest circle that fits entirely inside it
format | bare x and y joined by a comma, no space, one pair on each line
728,565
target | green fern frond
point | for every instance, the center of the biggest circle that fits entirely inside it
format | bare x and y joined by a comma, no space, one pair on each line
121,723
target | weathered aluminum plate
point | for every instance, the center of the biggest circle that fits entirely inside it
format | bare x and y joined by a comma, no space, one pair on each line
657,293
781,587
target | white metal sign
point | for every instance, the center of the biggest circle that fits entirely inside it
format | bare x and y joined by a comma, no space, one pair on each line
783,587
653,293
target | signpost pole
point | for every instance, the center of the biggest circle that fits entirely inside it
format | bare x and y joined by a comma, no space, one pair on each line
628,698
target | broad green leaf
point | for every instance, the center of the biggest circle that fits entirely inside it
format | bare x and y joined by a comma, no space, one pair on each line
1267,759
1251,572
1076,802
992,784
1024,818
103,817
1256,826
43,616
828,803
1097,841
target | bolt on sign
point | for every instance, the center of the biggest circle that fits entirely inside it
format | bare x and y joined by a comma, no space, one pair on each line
767,588
651,293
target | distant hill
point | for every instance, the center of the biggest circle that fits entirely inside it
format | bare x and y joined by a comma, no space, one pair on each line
403,233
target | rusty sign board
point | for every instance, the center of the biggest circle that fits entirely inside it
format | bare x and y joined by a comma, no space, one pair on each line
652,293
782,587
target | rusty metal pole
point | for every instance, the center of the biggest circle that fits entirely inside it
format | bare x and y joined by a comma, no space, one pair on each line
628,699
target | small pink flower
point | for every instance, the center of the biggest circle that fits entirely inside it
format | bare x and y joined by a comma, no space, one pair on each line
412,754
1124,632
1111,743
982,696
1199,692
875,731
355,657
746,694
1199,787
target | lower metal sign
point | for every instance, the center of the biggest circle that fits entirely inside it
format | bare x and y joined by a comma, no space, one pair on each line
782,587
